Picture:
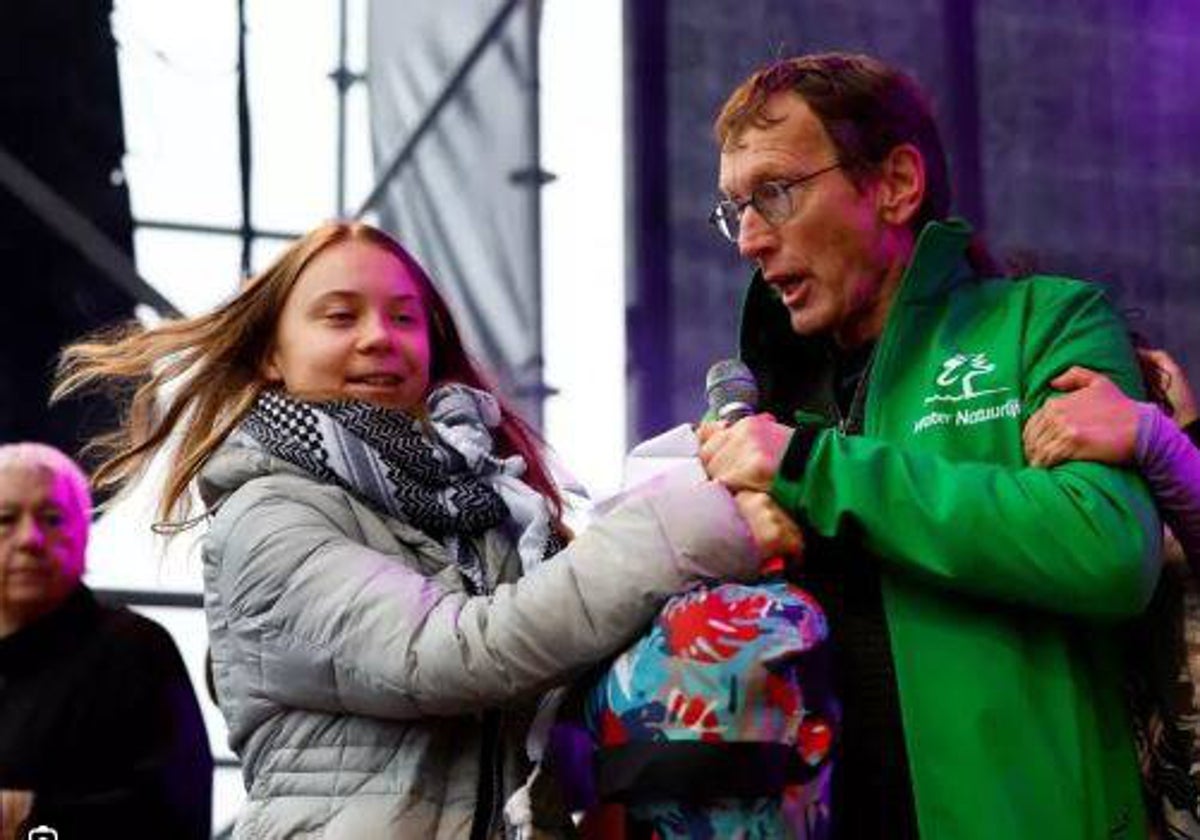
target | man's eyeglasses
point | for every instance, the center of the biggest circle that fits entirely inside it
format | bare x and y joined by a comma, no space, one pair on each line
771,199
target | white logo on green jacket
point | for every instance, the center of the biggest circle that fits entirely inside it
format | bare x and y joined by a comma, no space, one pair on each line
960,371
956,384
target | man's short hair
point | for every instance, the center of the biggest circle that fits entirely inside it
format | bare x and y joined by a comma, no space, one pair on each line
31,456
866,107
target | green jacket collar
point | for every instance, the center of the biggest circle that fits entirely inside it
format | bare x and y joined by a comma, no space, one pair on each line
790,367
939,260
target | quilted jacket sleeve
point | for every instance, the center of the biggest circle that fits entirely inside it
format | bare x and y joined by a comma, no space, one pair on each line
324,623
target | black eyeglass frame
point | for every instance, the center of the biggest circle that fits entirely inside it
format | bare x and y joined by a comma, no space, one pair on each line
726,217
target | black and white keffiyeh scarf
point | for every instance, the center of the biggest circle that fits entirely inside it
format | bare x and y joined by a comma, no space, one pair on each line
449,485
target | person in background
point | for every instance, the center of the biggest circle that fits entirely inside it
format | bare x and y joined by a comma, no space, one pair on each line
1094,420
100,732
388,583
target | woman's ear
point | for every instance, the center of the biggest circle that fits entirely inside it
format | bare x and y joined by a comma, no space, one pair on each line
269,370
901,185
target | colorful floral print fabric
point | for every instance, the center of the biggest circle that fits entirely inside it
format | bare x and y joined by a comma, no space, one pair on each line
726,664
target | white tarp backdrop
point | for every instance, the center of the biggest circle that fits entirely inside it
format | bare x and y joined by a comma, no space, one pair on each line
463,203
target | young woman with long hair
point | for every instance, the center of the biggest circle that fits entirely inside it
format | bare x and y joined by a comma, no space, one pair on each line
386,582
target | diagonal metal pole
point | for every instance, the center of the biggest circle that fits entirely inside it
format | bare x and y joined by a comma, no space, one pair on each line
80,232
406,151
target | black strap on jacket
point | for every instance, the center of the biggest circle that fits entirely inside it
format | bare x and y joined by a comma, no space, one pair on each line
696,771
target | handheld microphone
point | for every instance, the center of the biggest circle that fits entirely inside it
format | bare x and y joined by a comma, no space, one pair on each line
732,393
731,390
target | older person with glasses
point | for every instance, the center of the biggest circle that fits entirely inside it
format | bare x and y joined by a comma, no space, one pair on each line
972,600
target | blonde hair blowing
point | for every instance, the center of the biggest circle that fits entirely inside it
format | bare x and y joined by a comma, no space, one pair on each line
40,456
196,378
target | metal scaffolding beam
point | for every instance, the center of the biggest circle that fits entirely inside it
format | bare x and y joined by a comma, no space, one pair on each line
409,146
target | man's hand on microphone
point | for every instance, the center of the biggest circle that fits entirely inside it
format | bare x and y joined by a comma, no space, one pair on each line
775,533
746,455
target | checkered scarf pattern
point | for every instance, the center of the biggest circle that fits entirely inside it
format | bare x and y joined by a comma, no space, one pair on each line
384,457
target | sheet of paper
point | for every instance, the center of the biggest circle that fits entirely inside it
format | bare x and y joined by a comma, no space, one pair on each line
671,456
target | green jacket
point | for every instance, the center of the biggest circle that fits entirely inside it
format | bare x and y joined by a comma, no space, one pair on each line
1001,583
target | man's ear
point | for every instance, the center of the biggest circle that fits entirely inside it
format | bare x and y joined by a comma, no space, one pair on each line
901,185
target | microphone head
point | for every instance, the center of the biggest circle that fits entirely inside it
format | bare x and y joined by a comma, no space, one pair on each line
731,390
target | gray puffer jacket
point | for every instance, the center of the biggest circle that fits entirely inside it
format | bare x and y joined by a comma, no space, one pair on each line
354,671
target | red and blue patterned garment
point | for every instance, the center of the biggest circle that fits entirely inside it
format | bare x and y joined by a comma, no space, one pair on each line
728,664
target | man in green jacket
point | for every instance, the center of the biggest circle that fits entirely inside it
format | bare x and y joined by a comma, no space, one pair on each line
974,601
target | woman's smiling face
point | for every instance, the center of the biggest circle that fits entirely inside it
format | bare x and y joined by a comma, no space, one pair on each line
354,326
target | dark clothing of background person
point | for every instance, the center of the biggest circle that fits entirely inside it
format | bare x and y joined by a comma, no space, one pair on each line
98,718
1192,430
